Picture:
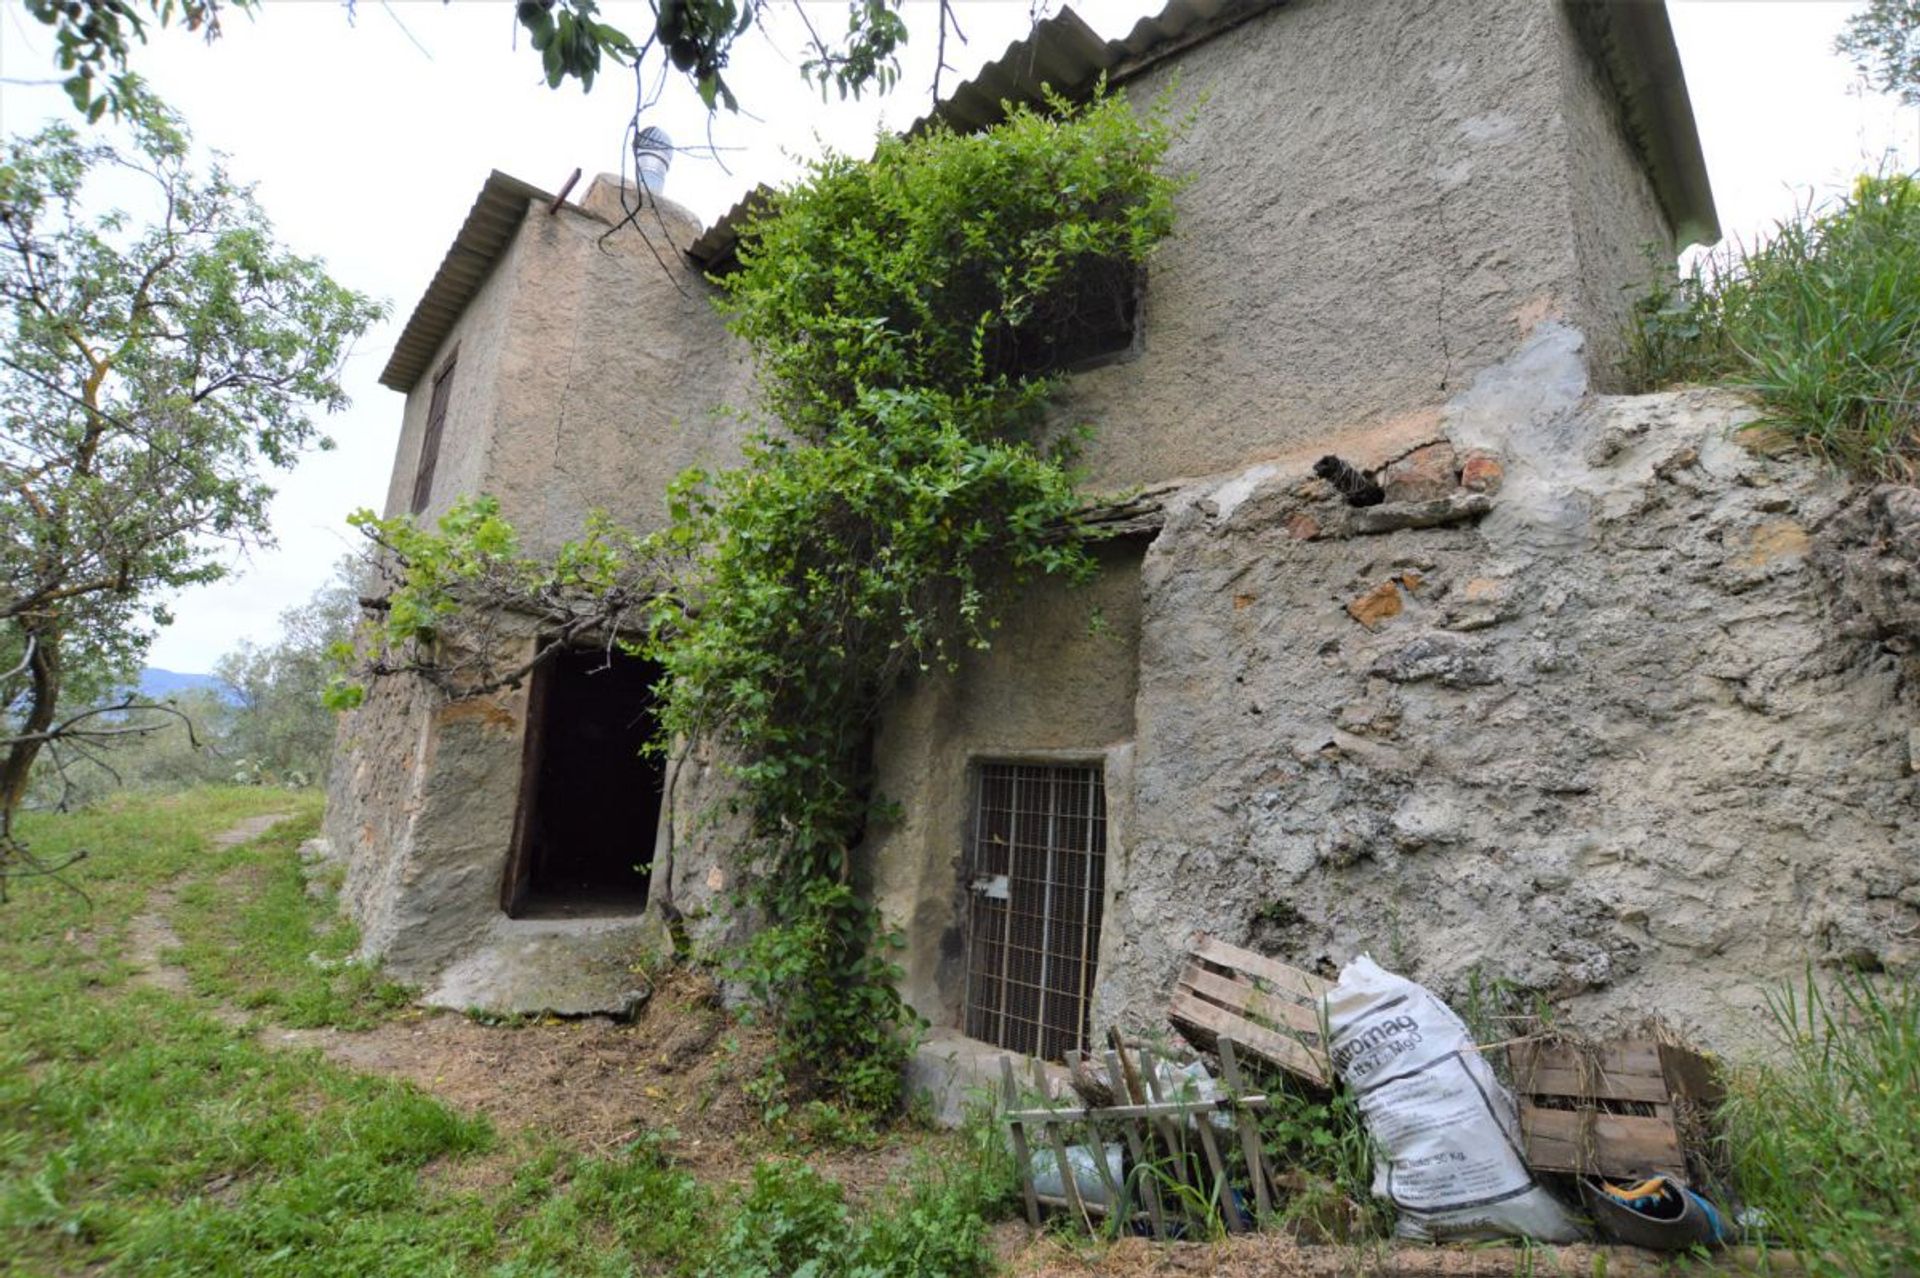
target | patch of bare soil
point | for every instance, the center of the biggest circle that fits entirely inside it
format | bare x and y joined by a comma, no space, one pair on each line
595,1084
248,830
1274,1255
150,933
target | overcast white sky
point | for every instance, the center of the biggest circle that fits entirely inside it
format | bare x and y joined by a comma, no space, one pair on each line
369,143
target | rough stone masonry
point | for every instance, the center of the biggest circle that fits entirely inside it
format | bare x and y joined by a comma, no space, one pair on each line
1604,702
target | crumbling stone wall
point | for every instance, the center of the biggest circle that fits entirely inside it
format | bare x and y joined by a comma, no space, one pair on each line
1597,729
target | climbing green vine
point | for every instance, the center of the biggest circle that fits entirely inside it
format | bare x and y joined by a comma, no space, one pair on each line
908,315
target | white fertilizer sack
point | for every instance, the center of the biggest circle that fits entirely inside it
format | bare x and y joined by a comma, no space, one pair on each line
1446,1130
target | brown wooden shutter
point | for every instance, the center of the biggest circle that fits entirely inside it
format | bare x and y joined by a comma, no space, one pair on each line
430,444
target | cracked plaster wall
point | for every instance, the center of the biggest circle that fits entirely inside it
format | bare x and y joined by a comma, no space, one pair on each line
1606,742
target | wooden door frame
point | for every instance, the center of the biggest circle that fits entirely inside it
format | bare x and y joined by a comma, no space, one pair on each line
513,886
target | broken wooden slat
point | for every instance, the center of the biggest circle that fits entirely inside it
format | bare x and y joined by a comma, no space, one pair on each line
1136,1092
1691,1075
1173,1137
1020,1148
1281,976
1068,1185
1211,1022
1244,996
1648,1088
1136,1145
1632,1059
1229,1208
1249,1138
1603,1144
1152,1109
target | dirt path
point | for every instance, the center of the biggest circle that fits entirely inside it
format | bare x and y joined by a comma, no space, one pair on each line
150,933
594,1084
591,1083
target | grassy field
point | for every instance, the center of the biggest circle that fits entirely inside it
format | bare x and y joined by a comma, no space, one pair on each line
161,1112
148,1130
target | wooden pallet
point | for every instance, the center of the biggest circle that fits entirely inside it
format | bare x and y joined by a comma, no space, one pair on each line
1274,1011
1155,1128
1609,1111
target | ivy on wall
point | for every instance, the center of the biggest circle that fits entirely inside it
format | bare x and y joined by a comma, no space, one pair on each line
900,311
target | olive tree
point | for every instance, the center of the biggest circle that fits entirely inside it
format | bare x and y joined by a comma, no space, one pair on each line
159,353
92,39
279,730
1883,40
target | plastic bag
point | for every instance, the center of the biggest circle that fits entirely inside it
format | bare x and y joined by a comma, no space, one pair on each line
1446,1131
1044,1169
1191,1082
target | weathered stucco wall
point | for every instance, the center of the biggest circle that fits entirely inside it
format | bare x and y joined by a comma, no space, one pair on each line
1378,206
1057,685
589,376
1606,744
373,799
480,338
616,375
1621,237
591,372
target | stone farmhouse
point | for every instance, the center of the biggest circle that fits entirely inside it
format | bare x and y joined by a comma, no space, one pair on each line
1570,709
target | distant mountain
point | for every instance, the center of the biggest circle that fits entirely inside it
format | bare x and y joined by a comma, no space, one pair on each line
157,684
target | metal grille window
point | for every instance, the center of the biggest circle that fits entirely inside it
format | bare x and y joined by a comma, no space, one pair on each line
1039,859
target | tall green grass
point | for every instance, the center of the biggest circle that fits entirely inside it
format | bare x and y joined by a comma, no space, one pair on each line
1821,322
142,1134
1825,1136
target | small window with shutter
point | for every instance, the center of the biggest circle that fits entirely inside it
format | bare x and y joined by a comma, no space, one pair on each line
430,442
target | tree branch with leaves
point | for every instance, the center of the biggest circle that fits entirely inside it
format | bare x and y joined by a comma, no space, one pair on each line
156,360
695,38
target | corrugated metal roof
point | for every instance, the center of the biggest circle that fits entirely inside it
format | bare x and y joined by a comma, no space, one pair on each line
1633,43
496,214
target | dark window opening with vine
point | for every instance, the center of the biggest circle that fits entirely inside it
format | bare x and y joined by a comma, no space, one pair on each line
1090,318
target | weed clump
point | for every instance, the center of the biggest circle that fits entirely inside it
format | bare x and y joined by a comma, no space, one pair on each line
1821,323
1825,1137
794,1222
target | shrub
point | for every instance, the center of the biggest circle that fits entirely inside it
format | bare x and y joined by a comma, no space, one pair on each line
891,305
1821,322
1825,1137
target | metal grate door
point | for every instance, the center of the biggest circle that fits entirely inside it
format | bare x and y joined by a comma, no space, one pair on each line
1039,858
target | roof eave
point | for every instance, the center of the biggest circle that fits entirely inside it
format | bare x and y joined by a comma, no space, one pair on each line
483,237
1635,47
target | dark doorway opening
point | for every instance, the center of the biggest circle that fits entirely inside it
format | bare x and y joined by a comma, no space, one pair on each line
589,799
